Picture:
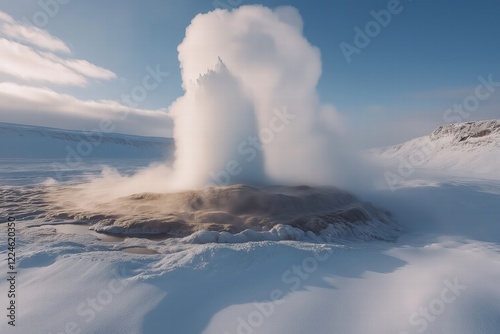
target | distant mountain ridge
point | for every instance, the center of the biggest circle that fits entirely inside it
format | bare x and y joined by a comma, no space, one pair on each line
470,134
27,141
468,147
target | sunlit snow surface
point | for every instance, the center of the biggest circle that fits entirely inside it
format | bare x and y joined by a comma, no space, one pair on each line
449,237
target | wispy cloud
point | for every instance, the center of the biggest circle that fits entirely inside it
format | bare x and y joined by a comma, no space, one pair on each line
31,57
82,66
35,36
28,54
43,106
23,63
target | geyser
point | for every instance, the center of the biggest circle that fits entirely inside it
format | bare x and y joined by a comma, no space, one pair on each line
250,115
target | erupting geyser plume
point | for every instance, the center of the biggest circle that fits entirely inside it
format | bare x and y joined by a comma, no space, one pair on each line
250,119
250,113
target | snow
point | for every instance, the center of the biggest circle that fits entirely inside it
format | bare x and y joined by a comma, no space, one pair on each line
34,142
472,147
440,276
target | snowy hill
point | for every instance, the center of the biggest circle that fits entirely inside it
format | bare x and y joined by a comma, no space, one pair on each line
26,141
465,147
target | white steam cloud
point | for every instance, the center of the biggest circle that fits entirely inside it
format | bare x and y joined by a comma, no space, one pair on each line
251,113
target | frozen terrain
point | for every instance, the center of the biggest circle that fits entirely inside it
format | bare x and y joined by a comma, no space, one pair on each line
440,275
472,147
25,141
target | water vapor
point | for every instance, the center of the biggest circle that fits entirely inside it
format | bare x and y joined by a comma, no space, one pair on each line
250,113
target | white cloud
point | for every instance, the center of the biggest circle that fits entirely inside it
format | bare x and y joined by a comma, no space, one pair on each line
45,107
6,17
82,66
27,54
23,63
13,29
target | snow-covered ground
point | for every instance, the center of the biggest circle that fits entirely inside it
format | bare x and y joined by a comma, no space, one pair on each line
440,276
472,147
72,147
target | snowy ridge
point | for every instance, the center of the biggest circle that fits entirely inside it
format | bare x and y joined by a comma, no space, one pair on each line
471,134
466,147
26,141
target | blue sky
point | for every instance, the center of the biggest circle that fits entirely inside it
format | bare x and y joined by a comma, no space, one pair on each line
427,59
